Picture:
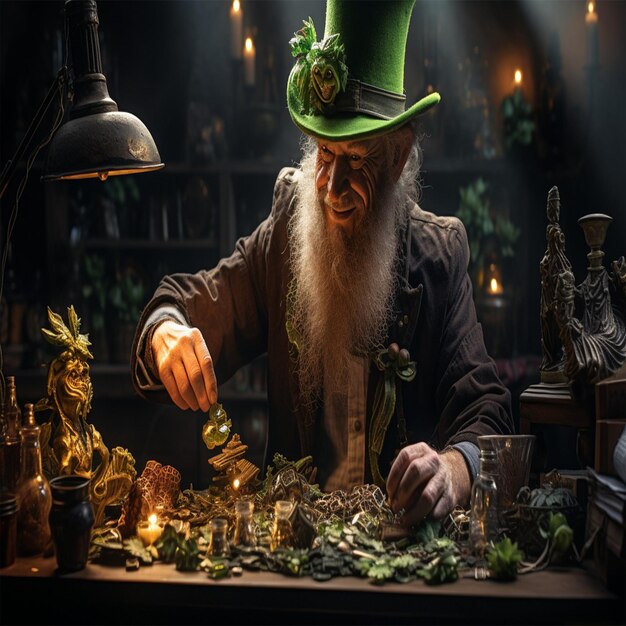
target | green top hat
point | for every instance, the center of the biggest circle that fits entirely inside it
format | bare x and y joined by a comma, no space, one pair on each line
350,85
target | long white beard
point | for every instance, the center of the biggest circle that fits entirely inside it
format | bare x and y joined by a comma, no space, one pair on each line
341,299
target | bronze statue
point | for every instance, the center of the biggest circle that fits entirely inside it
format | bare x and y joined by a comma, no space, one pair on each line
68,442
553,263
594,346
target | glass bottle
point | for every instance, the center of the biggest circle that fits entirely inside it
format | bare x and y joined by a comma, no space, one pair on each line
282,532
218,545
484,510
3,438
33,492
12,444
244,526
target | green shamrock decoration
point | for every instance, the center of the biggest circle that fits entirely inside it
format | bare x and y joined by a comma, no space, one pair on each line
503,558
320,71
217,428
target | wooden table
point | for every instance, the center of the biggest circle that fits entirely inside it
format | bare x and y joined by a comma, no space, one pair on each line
32,592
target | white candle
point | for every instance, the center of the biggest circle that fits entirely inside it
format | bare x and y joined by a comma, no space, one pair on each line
249,55
591,24
149,531
236,29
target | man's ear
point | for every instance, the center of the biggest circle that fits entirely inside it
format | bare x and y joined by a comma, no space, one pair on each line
401,144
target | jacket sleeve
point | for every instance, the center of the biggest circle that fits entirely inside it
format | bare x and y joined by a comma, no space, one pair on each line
470,398
228,304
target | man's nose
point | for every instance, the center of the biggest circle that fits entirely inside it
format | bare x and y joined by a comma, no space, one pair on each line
338,179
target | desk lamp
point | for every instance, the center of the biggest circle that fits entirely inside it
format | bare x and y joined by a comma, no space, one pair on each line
97,140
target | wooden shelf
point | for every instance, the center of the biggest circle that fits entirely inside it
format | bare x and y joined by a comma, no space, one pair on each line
230,166
464,165
112,380
148,244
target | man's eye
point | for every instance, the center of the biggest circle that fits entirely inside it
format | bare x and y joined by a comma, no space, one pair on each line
355,157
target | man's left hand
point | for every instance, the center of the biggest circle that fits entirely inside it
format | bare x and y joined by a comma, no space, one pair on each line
424,482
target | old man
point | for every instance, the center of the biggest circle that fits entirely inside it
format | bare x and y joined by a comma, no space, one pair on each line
362,301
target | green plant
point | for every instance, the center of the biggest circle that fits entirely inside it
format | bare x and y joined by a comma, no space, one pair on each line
485,231
127,296
503,559
122,189
95,289
517,119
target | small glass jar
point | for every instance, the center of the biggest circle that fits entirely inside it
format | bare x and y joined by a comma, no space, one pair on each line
8,529
244,524
483,508
282,532
218,546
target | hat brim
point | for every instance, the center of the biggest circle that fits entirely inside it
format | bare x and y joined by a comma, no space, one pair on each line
350,126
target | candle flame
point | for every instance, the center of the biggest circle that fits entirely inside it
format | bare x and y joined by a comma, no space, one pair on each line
248,44
236,6
590,7
236,483
494,285
152,519
518,77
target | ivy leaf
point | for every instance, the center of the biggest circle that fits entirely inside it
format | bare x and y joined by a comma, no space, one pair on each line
134,547
443,569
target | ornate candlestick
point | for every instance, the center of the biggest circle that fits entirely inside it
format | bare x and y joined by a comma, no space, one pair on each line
595,226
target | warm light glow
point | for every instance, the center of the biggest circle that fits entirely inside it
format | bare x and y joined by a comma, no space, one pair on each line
236,6
249,44
494,285
590,7
236,483
518,77
152,519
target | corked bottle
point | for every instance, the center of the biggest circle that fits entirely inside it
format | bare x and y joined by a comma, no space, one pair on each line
11,446
33,493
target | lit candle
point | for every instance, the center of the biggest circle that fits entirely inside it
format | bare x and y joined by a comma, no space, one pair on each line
249,55
591,22
236,29
149,531
236,483
518,78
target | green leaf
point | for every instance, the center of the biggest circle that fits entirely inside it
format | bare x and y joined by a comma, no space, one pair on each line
503,559
134,547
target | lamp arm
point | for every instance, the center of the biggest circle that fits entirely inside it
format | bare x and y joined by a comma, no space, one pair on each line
9,169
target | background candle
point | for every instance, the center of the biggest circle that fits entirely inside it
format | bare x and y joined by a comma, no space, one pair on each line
591,23
236,29
249,55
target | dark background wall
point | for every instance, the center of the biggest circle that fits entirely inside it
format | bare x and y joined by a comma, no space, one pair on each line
169,63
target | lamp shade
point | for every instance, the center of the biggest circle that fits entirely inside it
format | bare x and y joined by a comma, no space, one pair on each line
101,144
98,140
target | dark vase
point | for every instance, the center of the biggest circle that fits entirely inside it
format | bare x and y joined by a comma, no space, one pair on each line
71,521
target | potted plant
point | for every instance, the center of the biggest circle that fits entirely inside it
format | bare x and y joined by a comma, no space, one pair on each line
94,291
126,297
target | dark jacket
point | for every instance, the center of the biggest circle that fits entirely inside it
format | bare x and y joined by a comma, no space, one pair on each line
240,309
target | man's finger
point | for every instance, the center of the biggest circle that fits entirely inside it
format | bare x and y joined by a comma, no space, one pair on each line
194,374
419,471
206,366
184,385
167,378
429,498
397,471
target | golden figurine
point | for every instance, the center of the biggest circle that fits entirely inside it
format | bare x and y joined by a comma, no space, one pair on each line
68,442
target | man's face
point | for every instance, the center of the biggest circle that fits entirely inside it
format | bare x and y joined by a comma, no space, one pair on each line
348,179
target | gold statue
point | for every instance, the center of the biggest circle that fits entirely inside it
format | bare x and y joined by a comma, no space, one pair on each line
68,442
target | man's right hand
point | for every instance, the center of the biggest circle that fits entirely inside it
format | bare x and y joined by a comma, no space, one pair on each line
184,365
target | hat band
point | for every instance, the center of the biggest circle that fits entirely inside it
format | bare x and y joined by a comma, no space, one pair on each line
359,97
